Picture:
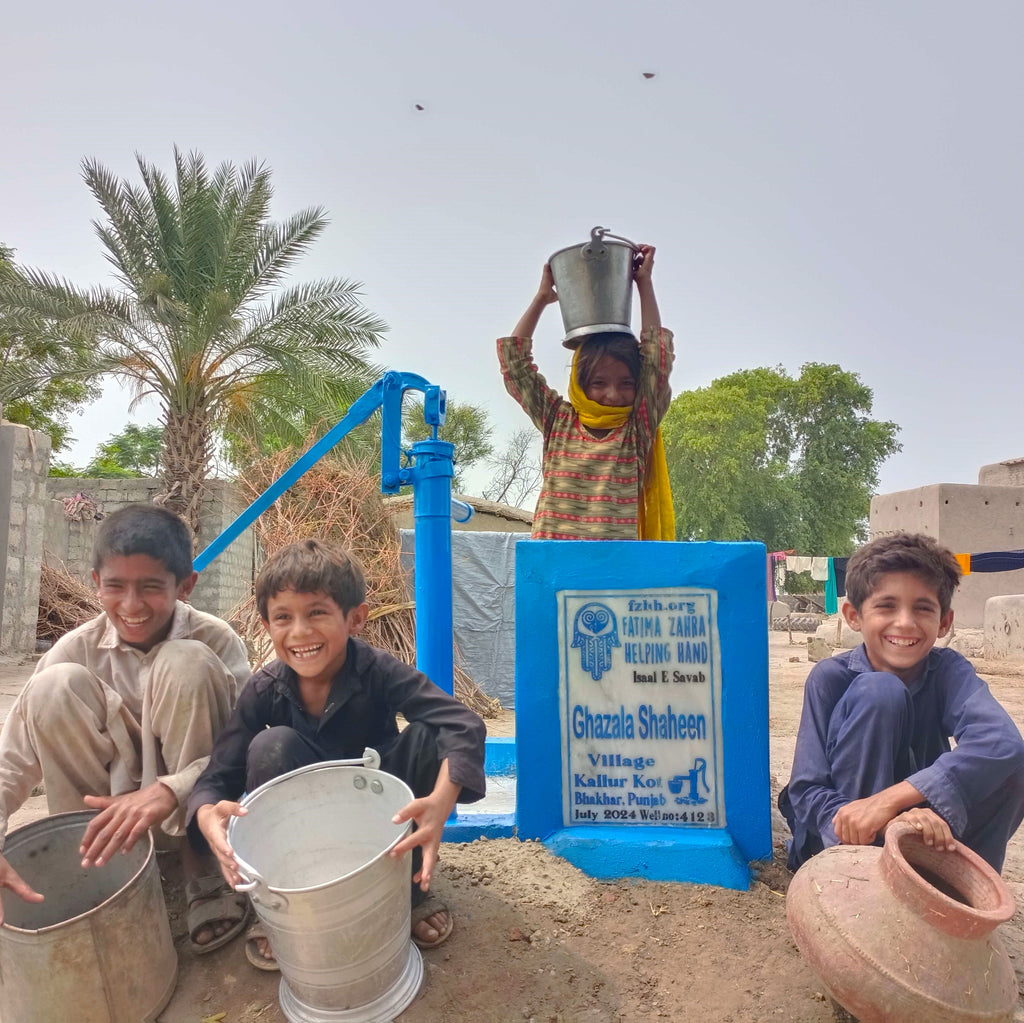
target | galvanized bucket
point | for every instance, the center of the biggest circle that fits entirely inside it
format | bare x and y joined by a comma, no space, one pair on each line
594,282
313,854
99,948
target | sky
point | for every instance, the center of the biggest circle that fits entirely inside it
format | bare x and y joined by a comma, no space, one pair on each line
824,181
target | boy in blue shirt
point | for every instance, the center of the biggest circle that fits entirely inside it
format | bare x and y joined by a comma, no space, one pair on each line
873,742
327,696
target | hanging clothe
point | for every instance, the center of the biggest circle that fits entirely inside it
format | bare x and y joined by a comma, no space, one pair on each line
798,564
819,569
964,560
831,598
997,561
839,568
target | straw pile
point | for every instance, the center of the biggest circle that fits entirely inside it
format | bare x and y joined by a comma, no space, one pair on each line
65,602
339,501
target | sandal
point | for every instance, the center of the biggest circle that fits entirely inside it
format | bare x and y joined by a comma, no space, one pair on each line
423,911
252,951
212,900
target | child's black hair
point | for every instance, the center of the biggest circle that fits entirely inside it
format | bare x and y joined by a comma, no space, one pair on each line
145,529
623,348
915,553
309,566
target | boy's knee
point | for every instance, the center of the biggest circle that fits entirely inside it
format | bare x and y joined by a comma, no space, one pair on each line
880,693
273,751
49,691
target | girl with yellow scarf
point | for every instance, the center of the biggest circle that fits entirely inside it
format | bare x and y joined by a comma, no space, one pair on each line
604,473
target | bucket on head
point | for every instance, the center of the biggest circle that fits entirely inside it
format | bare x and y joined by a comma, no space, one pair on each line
594,282
98,949
313,849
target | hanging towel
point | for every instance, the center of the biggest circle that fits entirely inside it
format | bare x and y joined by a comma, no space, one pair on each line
798,564
831,599
819,569
839,567
997,561
965,563
769,569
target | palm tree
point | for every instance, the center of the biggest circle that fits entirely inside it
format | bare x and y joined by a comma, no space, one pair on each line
199,318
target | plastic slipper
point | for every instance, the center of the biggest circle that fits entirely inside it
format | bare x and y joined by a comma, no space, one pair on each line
427,908
211,900
252,953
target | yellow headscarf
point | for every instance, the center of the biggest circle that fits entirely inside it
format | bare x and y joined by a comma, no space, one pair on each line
657,519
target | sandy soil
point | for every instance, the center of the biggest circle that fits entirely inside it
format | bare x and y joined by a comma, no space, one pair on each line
536,940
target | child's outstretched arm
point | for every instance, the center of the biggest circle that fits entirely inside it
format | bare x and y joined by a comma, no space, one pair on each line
546,294
649,313
430,814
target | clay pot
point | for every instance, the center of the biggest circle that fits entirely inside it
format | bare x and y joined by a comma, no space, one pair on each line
905,933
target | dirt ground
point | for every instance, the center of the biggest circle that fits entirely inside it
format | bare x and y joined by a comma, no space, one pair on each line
536,940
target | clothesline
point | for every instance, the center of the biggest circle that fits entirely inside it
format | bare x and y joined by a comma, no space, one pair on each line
832,571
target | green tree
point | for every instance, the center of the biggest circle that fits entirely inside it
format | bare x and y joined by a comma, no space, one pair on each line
465,426
44,374
200,318
759,455
134,452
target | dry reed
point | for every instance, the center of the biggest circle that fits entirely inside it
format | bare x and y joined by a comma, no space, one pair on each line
339,501
65,602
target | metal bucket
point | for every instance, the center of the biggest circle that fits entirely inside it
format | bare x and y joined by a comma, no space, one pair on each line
594,282
313,852
99,948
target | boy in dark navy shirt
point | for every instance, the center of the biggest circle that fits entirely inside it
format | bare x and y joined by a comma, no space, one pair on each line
874,736
327,697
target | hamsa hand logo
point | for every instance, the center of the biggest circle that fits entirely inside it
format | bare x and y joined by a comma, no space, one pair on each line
595,631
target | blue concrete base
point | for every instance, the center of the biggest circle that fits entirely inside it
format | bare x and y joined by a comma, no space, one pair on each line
467,827
608,852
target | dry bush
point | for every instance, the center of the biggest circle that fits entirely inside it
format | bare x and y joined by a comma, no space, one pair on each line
65,602
339,501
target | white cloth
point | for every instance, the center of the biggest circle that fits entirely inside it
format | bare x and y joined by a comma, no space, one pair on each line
819,569
795,563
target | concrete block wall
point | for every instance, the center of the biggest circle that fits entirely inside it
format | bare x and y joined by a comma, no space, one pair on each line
225,583
24,463
966,518
1004,627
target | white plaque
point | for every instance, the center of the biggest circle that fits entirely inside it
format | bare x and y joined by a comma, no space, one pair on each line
640,691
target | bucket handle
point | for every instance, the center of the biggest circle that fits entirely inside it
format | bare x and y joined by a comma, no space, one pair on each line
596,248
252,881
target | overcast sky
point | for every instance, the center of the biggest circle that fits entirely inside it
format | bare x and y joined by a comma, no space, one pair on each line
824,181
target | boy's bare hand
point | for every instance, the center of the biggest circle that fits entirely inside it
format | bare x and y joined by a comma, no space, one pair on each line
643,263
212,819
430,814
546,293
124,820
859,822
9,878
933,829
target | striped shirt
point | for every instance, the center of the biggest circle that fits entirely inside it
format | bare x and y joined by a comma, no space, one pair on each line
591,485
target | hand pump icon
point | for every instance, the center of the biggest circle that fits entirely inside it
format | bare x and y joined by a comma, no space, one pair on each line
693,798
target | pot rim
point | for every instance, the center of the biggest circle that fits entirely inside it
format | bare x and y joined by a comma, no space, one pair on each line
960,919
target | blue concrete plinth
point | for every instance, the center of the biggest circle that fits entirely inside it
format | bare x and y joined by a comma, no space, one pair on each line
657,854
642,707
467,827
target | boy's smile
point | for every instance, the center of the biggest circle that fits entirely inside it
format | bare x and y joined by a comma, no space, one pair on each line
310,632
900,621
138,594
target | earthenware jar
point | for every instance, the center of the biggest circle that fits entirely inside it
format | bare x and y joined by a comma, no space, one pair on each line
905,933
